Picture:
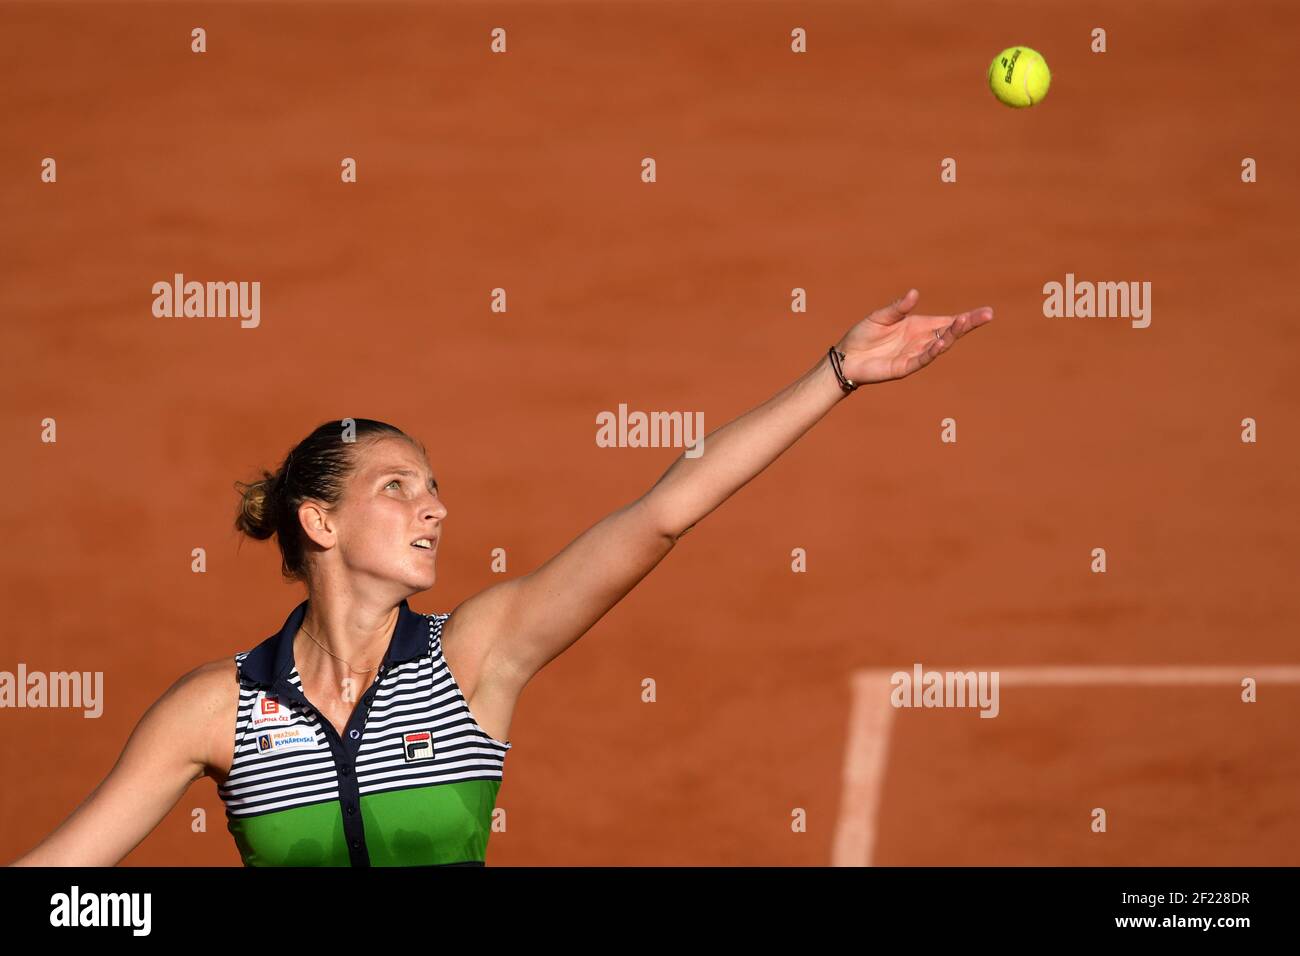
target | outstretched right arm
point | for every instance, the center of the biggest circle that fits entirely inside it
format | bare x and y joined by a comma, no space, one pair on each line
170,748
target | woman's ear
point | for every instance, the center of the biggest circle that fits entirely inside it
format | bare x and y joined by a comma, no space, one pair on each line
316,523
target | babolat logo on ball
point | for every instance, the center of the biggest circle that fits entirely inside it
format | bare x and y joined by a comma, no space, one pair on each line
418,745
1010,65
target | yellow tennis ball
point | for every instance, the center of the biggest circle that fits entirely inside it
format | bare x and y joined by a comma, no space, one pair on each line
1019,76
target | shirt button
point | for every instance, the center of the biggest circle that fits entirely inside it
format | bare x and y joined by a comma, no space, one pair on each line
346,769
354,734
356,844
351,809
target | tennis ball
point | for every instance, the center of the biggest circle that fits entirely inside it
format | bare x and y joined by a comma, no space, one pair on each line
1019,76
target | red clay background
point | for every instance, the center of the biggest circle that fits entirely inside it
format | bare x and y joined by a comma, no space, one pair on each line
775,171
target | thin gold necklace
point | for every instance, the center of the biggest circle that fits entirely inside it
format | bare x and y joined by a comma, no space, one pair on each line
331,653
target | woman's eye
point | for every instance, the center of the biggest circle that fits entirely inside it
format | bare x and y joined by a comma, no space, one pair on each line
395,481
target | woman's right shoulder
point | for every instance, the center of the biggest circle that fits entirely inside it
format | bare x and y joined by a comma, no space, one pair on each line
209,698
217,679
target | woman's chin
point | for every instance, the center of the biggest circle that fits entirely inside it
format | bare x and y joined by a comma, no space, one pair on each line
424,577
417,574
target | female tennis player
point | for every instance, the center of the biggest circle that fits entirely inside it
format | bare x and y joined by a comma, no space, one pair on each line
366,734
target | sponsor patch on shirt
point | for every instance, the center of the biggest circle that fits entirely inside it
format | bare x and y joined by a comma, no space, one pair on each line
418,745
291,738
270,711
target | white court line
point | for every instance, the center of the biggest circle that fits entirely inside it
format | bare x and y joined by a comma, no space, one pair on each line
1173,674
864,767
871,720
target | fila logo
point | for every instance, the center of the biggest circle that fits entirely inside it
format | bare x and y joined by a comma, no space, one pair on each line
417,745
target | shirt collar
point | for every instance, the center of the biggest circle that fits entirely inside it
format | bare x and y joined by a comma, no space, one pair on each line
272,660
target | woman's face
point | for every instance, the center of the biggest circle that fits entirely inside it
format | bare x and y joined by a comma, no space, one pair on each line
390,502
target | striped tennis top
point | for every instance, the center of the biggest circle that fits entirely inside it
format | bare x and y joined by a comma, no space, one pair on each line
412,781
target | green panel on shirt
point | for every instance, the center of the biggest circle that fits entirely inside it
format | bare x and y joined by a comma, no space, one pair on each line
294,837
423,826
